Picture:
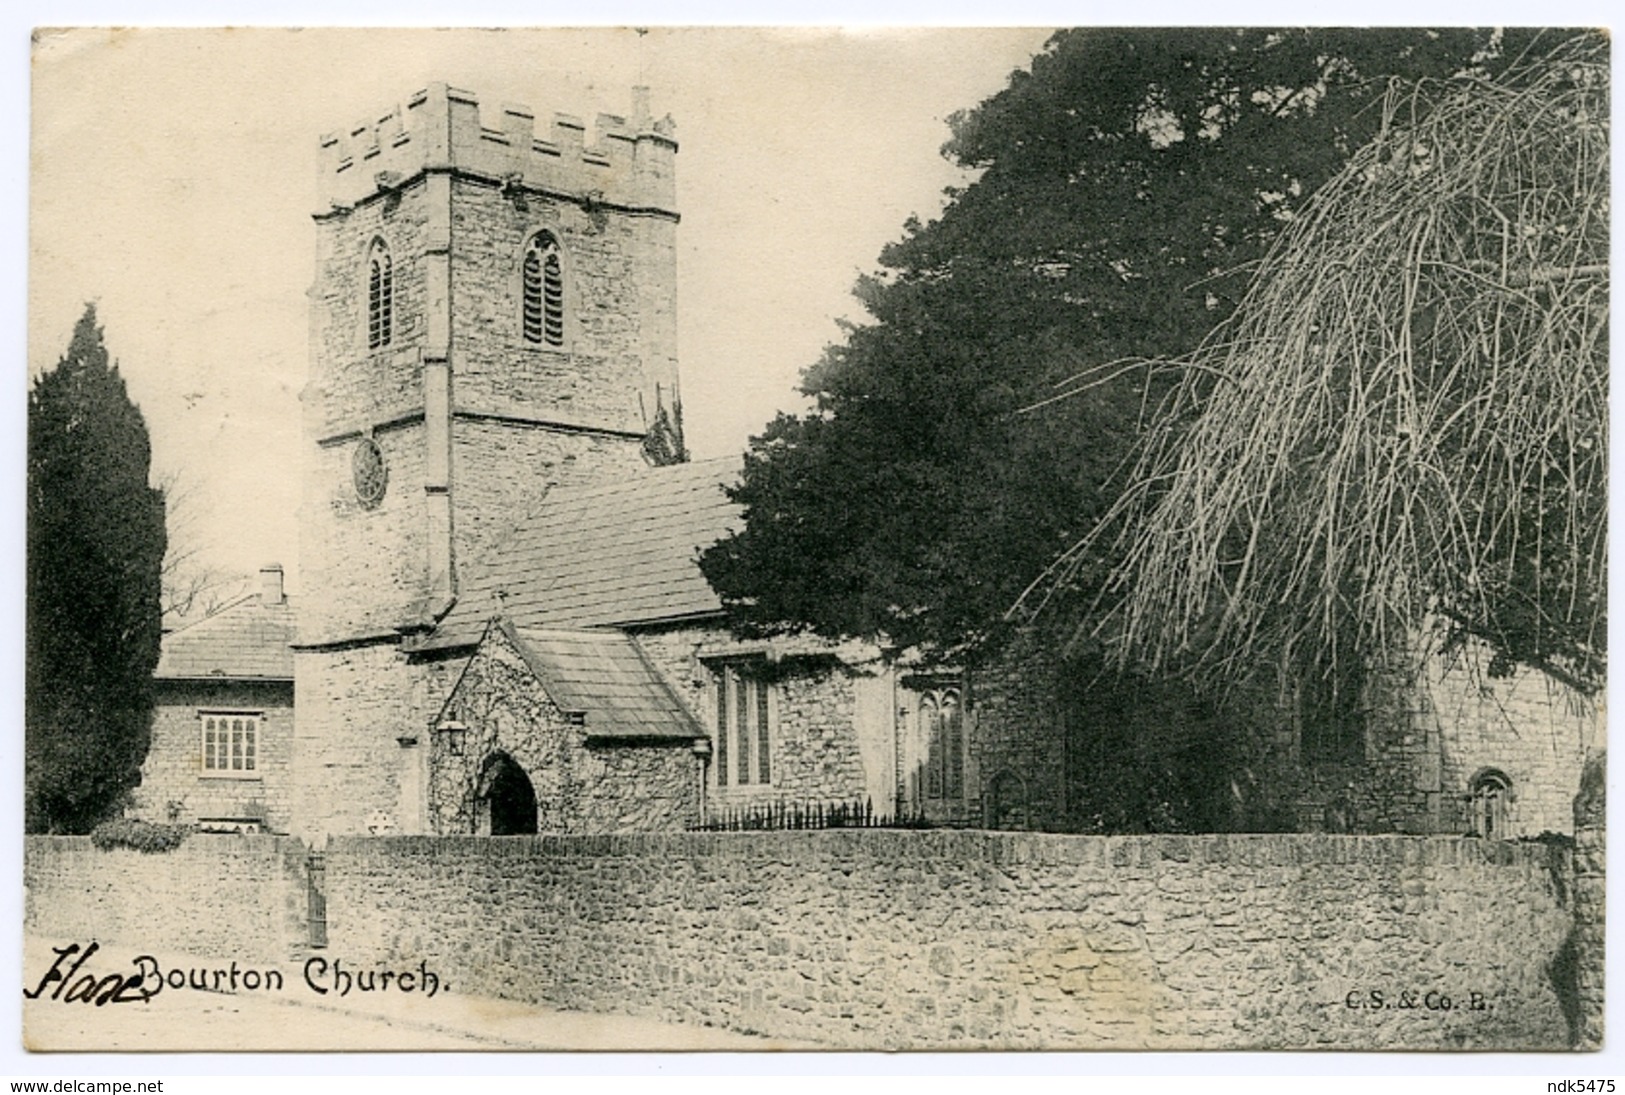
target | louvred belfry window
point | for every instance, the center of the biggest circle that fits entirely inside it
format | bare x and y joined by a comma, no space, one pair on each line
544,291
380,297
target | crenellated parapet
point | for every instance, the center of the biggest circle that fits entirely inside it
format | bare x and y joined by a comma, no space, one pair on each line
628,162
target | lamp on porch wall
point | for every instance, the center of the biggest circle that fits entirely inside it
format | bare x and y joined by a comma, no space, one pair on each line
456,736
702,754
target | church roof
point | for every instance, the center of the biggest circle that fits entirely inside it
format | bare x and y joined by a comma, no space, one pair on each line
603,676
246,640
617,554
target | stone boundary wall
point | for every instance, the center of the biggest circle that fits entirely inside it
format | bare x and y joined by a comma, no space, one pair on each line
1589,951
986,940
230,896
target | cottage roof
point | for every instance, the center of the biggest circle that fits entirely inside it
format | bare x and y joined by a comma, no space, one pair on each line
604,676
248,639
615,554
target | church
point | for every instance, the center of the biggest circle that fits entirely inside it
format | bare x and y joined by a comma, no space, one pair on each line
503,629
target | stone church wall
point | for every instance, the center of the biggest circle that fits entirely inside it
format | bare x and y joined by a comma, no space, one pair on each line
351,386
581,786
355,704
819,726
1423,744
1016,762
369,564
1527,726
501,471
597,378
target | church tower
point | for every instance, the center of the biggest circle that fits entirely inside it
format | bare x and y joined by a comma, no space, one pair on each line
493,314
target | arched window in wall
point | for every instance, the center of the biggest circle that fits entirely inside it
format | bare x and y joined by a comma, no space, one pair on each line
380,296
543,276
942,723
1490,802
744,741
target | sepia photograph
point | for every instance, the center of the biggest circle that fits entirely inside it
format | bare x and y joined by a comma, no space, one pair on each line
782,539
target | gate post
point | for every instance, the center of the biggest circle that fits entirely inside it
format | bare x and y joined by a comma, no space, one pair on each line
316,898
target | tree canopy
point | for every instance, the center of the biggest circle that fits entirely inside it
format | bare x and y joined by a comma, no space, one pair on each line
1128,182
1400,438
95,547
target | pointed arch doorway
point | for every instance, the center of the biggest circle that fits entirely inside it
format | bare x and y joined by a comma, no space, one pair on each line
505,799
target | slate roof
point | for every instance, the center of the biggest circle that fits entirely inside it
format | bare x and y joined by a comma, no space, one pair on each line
607,555
246,640
604,676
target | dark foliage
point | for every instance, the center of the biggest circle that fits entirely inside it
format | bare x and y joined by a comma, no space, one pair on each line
95,548
140,836
1127,182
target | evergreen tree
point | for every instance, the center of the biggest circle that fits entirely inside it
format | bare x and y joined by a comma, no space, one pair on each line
1128,182
96,544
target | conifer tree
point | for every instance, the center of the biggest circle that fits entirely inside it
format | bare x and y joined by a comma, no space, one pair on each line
96,542
1129,180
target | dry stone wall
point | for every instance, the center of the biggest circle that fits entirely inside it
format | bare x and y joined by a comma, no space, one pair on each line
988,940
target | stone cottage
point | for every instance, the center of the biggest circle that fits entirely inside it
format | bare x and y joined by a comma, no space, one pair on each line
503,627
222,726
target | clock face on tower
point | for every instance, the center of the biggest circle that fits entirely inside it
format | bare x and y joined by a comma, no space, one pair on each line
368,472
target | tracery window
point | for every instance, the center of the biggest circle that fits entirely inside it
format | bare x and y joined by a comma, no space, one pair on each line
1331,719
543,291
380,296
1490,801
943,722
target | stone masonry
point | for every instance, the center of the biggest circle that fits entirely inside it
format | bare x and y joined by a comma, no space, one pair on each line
581,786
980,940
474,424
827,743
235,896
174,786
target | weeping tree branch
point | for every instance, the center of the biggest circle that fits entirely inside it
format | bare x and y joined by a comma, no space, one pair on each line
1400,438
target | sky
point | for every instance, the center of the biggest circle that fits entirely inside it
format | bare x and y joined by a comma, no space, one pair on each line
173,177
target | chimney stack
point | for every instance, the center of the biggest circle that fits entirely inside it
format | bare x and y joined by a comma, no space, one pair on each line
271,584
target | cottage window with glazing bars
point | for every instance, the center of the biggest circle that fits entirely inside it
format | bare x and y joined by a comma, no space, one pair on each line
744,731
543,291
380,296
231,744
